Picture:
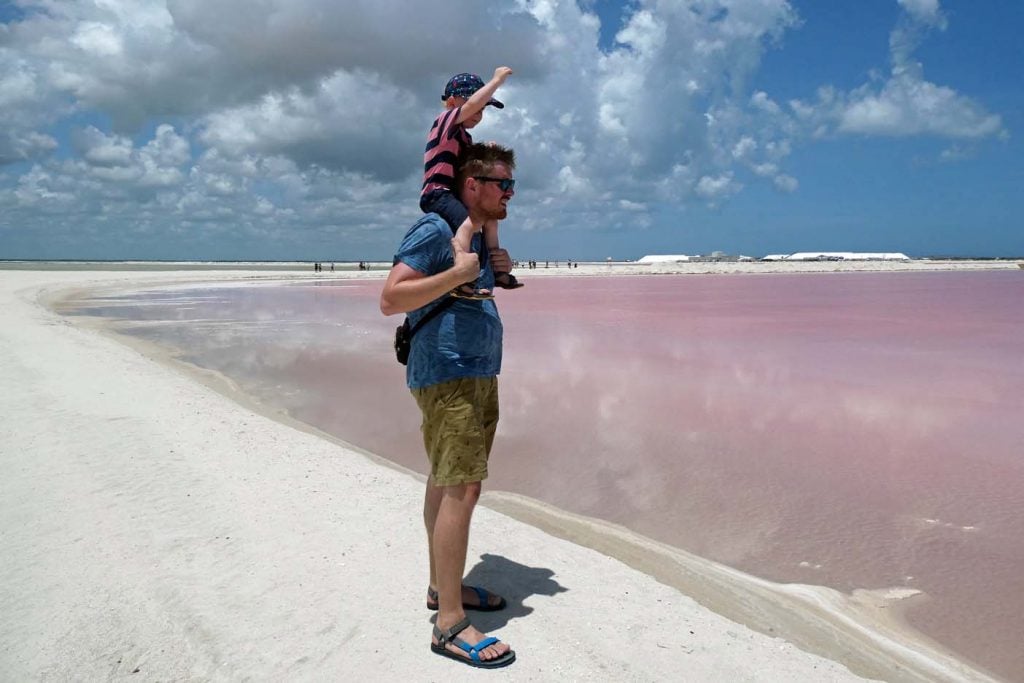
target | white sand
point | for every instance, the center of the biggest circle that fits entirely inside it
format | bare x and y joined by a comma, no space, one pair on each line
149,524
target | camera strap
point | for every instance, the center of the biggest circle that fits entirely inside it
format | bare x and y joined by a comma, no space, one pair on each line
430,315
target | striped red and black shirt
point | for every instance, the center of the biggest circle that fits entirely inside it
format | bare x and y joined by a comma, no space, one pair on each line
444,143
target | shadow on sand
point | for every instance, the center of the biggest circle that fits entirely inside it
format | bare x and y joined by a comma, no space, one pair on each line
515,582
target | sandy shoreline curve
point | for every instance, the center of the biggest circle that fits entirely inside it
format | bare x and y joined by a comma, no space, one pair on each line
152,524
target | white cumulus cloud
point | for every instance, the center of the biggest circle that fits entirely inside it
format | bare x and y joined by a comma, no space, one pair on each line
905,103
299,121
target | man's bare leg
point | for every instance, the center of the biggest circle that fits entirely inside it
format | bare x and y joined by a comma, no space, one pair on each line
448,543
431,504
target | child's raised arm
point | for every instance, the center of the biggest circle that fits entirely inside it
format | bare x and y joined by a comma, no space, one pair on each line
481,97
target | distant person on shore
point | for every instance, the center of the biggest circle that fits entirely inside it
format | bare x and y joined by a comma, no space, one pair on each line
452,373
465,98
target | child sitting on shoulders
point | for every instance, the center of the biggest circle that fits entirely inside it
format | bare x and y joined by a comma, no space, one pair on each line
465,97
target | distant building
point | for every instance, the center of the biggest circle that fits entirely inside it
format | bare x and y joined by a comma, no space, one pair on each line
846,256
714,257
721,256
837,256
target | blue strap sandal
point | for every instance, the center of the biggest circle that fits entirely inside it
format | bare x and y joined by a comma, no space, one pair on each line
482,594
449,636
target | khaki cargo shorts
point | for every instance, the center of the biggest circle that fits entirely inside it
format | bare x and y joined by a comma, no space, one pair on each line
459,421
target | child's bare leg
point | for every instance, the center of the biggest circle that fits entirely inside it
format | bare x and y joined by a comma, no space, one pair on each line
491,234
464,242
464,236
502,279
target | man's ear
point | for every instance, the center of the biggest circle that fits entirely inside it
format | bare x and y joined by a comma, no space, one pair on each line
469,186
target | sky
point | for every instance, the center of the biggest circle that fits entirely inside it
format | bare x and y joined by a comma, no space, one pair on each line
294,129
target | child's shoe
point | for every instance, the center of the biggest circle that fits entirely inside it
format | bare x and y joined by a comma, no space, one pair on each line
507,281
469,291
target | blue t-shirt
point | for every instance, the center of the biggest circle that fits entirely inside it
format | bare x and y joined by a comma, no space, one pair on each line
464,340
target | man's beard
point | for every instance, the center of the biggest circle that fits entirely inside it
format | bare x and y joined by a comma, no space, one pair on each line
497,214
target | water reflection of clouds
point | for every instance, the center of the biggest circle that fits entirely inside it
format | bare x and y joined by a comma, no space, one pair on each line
683,427
809,389
891,414
301,317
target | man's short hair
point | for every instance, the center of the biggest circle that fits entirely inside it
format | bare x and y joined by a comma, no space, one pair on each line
480,158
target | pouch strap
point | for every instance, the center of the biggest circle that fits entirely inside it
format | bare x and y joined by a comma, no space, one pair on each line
430,315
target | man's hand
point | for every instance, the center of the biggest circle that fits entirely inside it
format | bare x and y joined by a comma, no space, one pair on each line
467,263
501,262
501,73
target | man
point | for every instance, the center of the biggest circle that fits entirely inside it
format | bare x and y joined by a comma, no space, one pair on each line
452,373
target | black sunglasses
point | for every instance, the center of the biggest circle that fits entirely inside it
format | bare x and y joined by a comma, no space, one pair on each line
504,184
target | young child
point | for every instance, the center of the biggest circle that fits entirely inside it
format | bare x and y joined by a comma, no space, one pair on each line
465,97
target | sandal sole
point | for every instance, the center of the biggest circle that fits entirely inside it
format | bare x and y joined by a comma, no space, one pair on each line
497,663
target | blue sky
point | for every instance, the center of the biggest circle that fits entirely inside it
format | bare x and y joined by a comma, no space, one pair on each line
293,129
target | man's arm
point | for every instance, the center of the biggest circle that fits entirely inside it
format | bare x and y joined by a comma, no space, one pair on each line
481,97
407,289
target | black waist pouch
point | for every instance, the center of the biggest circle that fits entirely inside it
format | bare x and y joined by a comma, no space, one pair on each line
405,331
403,342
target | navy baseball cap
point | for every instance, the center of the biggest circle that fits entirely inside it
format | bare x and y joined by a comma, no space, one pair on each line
464,85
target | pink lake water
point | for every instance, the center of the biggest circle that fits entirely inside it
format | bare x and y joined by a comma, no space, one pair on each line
858,430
